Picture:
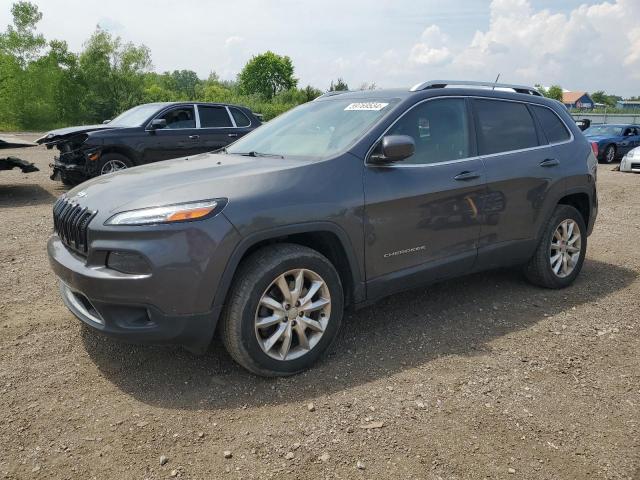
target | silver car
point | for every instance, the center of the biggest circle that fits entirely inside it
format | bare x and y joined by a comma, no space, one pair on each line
631,161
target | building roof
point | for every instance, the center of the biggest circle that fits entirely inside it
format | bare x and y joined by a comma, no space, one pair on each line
629,102
572,97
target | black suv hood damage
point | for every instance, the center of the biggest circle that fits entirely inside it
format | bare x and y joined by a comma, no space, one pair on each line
63,134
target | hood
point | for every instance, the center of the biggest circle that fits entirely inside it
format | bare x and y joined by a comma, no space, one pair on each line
600,138
61,134
201,177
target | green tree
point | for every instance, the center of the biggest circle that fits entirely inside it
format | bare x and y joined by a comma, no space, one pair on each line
339,85
113,73
21,40
266,75
555,92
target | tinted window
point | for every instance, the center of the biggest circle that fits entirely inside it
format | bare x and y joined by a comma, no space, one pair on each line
240,118
213,117
552,126
504,126
439,128
182,117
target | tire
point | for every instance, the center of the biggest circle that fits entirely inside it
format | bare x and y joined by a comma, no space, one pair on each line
256,281
609,154
539,270
112,162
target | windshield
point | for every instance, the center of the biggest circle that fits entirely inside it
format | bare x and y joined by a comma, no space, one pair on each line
314,130
134,117
611,130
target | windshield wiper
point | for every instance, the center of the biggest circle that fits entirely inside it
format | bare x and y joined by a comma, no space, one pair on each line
253,153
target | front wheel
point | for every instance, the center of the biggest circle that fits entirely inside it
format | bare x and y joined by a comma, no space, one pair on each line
284,310
113,162
609,154
560,254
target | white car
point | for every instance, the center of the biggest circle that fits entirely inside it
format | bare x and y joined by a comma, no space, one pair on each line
631,161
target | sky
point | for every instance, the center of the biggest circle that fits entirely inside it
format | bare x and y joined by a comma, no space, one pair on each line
580,45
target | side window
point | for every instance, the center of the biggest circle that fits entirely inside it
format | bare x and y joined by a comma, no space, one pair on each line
182,117
241,119
552,126
213,117
504,126
439,128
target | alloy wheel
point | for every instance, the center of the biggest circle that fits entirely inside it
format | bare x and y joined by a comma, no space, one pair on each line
566,245
293,314
610,154
112,166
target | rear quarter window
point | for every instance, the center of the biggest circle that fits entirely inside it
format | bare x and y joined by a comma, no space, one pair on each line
240,118
504,126
553,128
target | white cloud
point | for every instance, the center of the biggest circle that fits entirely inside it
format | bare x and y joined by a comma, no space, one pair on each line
432,49
233,41
591,47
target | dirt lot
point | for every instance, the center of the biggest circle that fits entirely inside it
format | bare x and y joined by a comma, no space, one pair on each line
483,377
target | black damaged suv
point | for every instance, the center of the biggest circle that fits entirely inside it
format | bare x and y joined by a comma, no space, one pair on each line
144,134
335,204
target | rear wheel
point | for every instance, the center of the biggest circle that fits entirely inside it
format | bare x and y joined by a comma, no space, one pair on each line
284,310
113,162
560,254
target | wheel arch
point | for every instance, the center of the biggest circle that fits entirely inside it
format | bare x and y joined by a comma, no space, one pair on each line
580,198
121,150
327,238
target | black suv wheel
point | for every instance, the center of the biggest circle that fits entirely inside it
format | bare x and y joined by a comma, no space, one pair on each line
559,256
112,162
284,310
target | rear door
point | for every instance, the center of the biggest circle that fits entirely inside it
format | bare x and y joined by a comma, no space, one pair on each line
217,127
522,168
178,139
421,220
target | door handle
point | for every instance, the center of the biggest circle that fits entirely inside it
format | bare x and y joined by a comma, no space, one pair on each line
464,176
232,135
549,162
194,137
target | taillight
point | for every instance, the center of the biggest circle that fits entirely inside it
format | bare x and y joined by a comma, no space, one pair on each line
595,149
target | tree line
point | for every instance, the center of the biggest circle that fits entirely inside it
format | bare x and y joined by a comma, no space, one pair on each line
44,85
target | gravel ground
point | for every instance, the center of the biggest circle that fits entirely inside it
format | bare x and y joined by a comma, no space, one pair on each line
481,377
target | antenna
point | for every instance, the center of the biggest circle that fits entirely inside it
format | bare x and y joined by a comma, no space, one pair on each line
495,83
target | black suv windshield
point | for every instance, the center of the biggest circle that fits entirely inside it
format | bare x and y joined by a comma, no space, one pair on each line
315,129
134,117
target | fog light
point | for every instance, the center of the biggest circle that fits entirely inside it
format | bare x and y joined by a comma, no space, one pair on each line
128,262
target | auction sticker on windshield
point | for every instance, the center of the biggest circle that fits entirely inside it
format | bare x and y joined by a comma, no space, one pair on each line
375,106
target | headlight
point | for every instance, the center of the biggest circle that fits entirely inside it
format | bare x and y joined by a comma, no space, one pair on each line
181,212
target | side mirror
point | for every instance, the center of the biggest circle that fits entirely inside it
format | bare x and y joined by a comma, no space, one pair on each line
106,121
157,124
394,148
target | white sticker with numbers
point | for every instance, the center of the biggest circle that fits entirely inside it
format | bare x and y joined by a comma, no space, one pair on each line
373,106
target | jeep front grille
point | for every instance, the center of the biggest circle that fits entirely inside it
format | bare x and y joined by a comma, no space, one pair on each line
70,222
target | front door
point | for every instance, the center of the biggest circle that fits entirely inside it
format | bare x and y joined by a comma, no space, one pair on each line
421,214
179,138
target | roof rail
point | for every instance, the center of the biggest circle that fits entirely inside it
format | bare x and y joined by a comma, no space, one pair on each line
447,83
332,93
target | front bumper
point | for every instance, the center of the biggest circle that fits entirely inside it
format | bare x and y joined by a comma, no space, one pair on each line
630,164
171,304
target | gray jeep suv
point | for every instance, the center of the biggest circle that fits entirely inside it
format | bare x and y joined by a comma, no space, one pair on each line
335,204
